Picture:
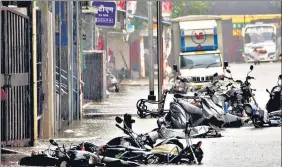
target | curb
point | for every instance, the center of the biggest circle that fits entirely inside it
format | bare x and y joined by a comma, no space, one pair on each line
105,115
136,85
11,151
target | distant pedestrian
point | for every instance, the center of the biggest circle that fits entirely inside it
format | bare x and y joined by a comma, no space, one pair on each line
255,55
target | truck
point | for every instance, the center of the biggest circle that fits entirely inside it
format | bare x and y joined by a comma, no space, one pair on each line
265,38
198,48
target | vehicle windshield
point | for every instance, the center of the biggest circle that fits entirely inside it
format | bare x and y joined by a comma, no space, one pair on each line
259,34
200,61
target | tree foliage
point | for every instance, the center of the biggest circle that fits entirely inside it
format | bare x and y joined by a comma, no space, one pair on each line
184,8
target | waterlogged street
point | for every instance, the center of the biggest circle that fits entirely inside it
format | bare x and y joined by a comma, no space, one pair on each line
245,147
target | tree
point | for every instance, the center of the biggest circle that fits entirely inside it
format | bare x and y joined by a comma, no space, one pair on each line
180,8
184,8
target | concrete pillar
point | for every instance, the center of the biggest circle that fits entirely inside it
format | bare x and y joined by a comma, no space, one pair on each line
47,72
34,67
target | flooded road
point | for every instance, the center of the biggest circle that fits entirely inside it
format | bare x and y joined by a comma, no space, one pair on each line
243,147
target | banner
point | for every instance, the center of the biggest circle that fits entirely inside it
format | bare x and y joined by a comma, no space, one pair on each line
131,6
166,8
121,5
100,45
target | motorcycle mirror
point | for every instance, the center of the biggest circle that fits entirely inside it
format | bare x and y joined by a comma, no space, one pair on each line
251,67
225,64
267,91
280,77
215,74
160,122
118,119
227,70
53,142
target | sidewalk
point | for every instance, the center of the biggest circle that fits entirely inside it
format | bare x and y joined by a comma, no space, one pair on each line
141,82
119,103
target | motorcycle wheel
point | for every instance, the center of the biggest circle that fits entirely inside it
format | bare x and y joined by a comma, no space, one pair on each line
257,123
151,160
63,164
116,89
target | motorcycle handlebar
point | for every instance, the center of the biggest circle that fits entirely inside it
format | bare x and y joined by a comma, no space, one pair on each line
120,127
182,79
250,77
228,78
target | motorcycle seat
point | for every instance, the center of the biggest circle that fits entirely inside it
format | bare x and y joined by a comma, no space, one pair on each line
124,148
131,148
190,108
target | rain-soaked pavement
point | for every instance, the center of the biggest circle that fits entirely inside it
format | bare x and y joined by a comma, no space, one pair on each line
243,146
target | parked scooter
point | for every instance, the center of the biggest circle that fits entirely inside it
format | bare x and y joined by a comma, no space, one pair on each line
112,83
202,113
274,102
272,114
62,157
181,85
142,108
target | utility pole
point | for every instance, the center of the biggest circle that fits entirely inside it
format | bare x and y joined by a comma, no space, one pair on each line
151,95
54,62
159,49
0,66
72,64
77,62
34,71
70,19
60,67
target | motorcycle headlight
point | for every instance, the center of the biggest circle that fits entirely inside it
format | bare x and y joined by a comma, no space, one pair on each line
143,138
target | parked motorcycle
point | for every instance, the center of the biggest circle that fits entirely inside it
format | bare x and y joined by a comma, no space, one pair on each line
272,114
181,85
71,157
233,97
142,148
